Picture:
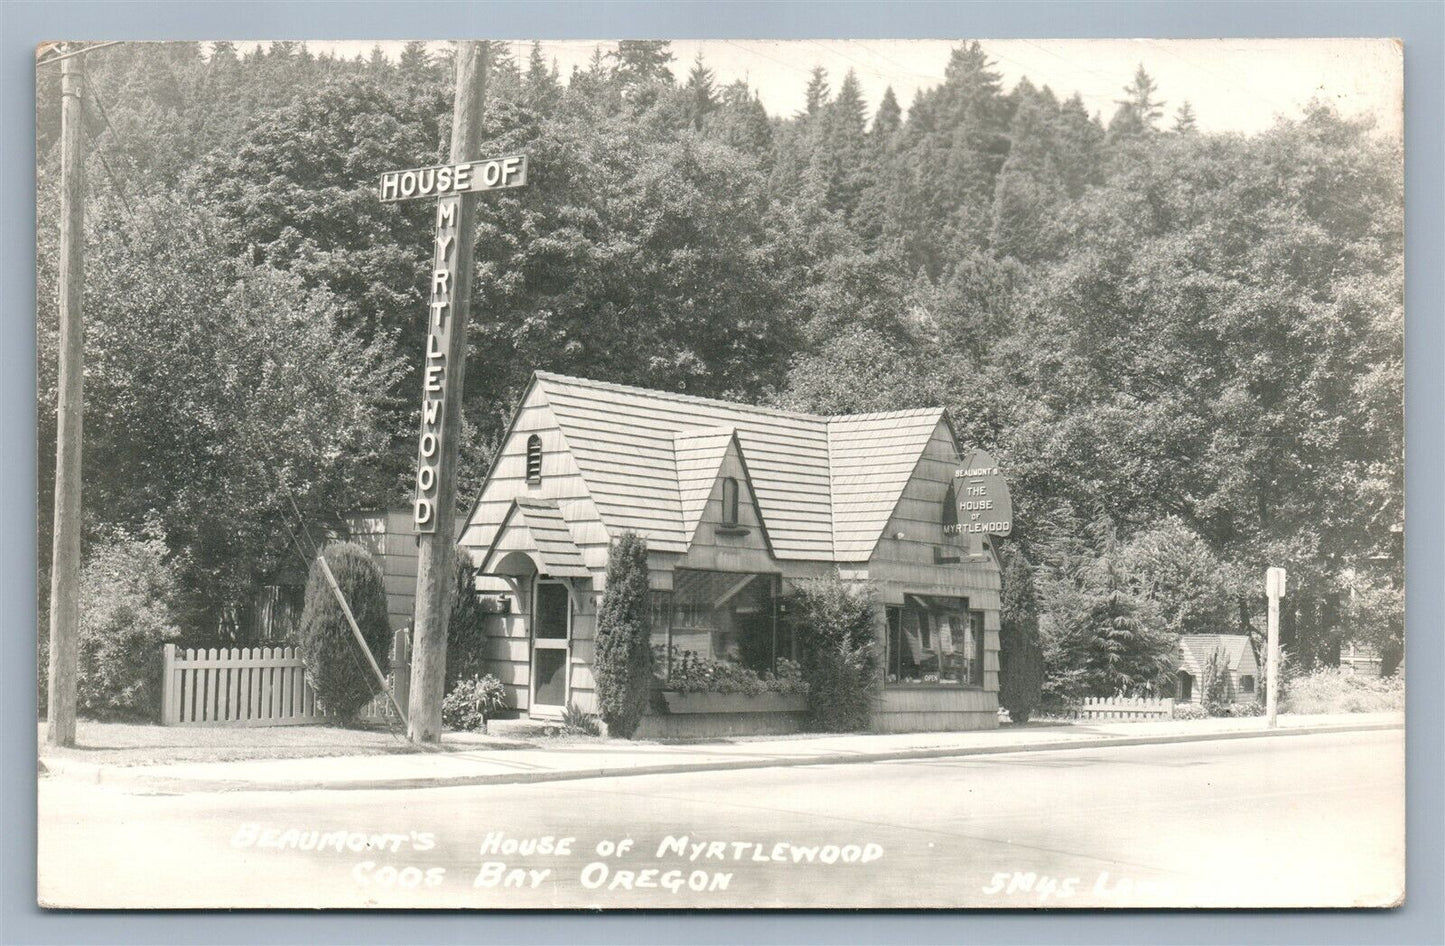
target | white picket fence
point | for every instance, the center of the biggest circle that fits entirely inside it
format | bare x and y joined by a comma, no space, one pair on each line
1119,707
257,686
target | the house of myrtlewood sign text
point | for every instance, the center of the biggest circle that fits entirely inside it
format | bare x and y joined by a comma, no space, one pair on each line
984,506
447,183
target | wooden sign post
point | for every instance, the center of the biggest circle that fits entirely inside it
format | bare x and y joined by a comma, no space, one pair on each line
453,186
1274,588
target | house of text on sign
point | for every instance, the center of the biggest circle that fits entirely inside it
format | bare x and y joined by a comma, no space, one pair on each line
984,504
464,178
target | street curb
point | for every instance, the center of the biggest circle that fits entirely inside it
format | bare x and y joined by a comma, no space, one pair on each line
121,776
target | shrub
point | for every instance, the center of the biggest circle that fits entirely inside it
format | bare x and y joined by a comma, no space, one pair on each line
575,722
1250,708
471,701
466,640
1333,690
1190,711
127,592
623,663
335,667
1021,656
1216,692
832,621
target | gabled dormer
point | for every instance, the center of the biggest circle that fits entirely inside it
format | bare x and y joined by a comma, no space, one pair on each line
719,505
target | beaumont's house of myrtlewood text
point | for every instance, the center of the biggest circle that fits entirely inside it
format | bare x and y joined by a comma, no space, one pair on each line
736,503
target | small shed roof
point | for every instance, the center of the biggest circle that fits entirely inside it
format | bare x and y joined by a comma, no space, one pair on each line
1196,649
558,555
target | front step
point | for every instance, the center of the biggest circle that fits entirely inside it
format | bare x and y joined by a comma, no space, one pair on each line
522,727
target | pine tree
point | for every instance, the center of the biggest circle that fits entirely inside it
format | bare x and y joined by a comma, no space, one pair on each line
1139,111
623,663
1021,659
541,90
1029,189
1184,120
817,92
887,120
700,93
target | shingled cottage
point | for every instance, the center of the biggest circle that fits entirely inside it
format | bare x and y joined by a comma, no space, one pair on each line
736,502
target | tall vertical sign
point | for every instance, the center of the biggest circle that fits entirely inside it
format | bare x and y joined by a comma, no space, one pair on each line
1274,589
453,185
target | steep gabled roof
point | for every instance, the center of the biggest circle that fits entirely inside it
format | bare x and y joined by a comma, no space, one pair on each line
1196,649
824,487
699,455
622,438
871,458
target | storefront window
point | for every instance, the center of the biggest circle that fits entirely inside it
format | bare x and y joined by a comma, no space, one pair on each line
935,642
723,616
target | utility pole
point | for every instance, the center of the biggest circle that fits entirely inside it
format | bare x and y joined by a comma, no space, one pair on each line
444,373
1274,588
65,550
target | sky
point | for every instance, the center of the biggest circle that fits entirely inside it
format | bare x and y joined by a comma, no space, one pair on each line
1233,85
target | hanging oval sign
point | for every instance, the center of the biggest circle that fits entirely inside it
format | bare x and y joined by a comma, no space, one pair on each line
984,506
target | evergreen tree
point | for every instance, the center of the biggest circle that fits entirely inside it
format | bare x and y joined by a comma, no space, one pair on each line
1021,657
623,663
1107,640
740,121
817,93
642,70
1139,112
700,93
1030,190
335,666
840,157
887,120
541,90
1184,120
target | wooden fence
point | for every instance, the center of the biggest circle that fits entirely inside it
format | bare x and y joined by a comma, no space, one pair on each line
256,686
1118,707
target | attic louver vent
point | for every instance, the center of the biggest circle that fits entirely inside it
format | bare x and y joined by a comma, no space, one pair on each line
534,459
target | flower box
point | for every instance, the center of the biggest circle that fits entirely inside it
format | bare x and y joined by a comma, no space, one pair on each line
734,702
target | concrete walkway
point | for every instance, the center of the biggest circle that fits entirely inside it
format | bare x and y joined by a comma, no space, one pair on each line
605,759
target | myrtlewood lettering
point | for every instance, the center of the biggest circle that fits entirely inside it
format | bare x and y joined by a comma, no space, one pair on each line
613,865
980,498
435,371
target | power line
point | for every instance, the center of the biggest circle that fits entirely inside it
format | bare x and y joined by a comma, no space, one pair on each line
77,52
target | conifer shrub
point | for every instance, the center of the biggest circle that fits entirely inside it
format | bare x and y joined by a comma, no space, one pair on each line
1021,655
1217,693
623,663
335,666
466,635
833,623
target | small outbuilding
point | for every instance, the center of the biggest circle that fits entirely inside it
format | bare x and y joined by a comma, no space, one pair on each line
737,503
1195,652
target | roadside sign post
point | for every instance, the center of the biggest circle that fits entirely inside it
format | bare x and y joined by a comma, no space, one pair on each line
454,186
1274,588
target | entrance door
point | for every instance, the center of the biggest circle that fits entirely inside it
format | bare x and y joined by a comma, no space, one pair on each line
551,628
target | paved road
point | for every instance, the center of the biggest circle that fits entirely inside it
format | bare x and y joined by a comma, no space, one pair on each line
1292,821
